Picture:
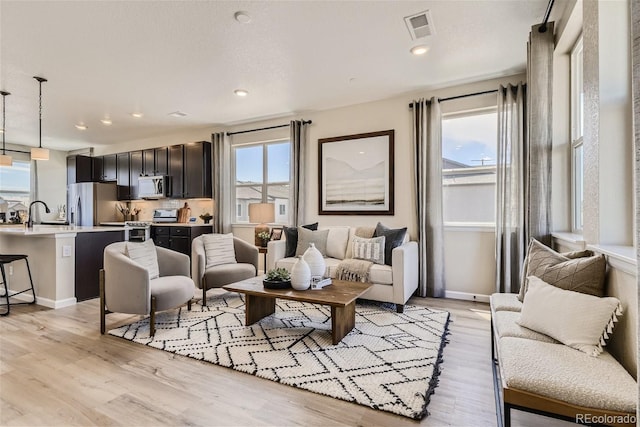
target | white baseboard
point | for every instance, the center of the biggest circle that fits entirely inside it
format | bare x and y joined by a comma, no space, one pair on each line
466,296
46,302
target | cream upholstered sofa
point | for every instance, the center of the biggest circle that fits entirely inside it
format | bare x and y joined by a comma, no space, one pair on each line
395,283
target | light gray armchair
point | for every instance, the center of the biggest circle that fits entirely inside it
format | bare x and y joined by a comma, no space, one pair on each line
125,286
224,274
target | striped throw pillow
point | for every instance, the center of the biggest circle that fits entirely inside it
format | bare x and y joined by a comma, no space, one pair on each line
144,253
369,249
218,249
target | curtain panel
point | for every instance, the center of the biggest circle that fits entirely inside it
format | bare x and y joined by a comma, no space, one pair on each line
221,153
298,136
510,188
427,139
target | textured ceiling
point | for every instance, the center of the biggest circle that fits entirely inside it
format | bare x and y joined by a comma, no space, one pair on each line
111,58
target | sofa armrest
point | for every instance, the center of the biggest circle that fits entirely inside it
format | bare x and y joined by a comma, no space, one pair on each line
198,261
404,267
276,250
246,252
172,263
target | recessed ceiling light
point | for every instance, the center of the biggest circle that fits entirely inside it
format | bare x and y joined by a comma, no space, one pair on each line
419,50
241,92
106,122
137,115
81,126
242,17
177,114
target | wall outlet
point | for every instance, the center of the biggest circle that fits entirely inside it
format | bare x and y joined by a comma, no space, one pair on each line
66,250
11,270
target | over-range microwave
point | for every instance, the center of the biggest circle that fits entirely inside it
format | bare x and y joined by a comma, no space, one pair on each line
153,187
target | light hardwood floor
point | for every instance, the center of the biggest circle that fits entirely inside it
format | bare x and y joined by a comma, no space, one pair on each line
56,369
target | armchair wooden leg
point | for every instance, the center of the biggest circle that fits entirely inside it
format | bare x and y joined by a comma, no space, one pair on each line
102,303
399,308
189,305
152,317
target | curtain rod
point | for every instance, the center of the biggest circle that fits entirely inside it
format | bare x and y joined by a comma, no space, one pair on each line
543,27
304,122
451,98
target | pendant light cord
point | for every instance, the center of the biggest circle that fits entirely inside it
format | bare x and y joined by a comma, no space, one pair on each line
40,80
4,126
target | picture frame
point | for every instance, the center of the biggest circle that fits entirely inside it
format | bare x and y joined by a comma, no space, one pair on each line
355,174
276,233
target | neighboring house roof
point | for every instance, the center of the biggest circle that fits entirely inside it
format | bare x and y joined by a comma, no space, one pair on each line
16,206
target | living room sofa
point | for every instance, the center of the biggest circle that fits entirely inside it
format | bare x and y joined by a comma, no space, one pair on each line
394,284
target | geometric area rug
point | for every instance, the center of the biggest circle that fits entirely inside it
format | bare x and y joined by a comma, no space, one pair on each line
389,361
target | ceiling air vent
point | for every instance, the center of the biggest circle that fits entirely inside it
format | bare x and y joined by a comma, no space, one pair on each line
420,25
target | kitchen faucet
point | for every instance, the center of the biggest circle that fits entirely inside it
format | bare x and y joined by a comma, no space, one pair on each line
30,221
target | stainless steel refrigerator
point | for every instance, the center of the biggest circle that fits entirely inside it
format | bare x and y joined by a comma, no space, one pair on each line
90,203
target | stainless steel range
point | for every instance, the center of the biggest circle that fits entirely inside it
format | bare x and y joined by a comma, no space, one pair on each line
137,231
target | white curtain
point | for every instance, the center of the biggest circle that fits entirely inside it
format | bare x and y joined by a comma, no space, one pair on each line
221,154
427,139
298,136
510,188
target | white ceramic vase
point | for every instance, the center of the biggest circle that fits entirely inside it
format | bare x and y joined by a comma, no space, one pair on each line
300,275
314,258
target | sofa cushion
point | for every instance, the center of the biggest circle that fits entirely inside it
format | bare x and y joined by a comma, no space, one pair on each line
144,254
393,239
559,372
218,249
578,320
171,291
506,324
584,275
291,237
379,274
337,242
223,274
317,237
505,302
369,249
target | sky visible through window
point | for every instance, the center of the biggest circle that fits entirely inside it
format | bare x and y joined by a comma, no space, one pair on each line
470,140
249,163
15,178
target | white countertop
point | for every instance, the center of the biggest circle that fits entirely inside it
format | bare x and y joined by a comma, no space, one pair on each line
43,230
180,224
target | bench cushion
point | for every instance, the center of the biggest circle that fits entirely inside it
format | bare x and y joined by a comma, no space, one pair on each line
506,325
505,302
568,375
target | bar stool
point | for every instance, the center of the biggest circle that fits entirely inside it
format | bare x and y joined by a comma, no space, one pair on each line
8,259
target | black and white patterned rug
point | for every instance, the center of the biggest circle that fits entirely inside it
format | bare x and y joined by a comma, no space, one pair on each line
389,361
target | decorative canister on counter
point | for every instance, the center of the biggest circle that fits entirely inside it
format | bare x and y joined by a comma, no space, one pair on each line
300,275
314,258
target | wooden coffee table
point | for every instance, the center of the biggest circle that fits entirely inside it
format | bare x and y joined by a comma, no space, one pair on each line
341,296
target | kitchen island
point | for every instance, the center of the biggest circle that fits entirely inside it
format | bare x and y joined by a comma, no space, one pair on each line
62,260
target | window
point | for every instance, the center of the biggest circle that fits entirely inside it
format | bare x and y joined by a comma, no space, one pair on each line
577,128
15,188
469,144
262,175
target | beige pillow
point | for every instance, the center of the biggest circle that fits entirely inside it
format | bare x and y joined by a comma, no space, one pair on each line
369,249
219,249
318,237
564,271
581,321
144,253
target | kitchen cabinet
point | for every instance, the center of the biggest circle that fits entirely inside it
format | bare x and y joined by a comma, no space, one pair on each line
122,176
89,256
96,169
162,161
177,237
176,171
109,168
148,162
135,170
79,169
197,170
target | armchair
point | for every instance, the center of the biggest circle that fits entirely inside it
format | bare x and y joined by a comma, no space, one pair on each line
224,274
125,286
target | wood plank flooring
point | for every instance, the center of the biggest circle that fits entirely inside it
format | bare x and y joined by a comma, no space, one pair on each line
56,369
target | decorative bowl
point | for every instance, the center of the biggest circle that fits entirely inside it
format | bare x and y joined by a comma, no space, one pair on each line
276,284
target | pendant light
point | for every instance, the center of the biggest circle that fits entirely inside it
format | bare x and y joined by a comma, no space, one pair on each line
5,160
40,153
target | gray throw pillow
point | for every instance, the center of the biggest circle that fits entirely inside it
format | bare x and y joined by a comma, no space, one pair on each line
585,275
291,237
305,237
393,239
369,249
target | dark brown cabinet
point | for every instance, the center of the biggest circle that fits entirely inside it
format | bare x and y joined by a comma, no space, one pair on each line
123,176
135,170
79,169
176,171
109,168
197,170
162,161
89,250
96,169
148,162
176,237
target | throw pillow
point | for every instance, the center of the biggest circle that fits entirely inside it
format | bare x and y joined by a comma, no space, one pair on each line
369,249
393,239
305,237
219,249
144,253
291,237
578,320
584,274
